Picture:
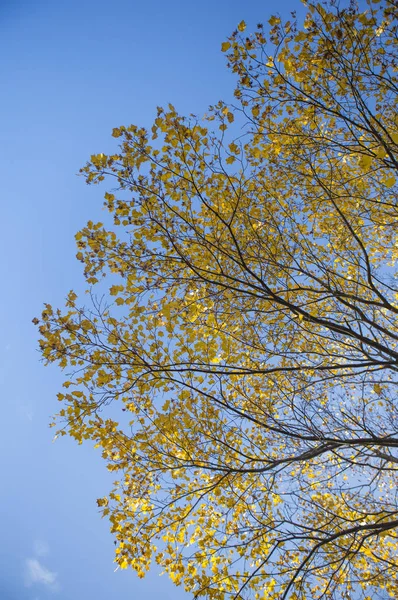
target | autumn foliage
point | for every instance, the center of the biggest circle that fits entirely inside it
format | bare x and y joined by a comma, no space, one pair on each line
239,372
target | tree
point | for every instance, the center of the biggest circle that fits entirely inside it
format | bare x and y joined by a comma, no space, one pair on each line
248,332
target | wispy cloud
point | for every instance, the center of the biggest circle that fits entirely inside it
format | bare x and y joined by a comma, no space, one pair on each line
36,573
40,548
25,412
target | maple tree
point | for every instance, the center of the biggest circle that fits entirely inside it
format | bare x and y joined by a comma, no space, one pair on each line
248,329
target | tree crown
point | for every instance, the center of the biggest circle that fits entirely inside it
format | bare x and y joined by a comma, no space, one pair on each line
249,329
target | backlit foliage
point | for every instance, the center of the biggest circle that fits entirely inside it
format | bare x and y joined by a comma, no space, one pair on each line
240,372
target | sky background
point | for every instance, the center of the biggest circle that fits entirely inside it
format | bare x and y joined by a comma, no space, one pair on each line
70,72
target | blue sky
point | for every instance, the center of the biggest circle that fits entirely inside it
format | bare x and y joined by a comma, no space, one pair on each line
70,72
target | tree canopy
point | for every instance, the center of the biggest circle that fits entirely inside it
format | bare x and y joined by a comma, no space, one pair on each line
236,360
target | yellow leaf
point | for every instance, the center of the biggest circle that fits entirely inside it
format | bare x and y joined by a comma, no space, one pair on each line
390,181
225,46
365,160
242,26
274,21
102,502
216,360
381,153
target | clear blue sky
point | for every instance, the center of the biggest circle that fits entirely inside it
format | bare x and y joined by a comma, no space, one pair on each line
70,72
